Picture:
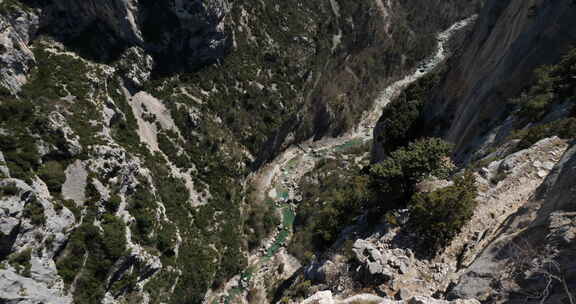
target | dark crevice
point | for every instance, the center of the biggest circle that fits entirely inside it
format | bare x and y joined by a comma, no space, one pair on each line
7,241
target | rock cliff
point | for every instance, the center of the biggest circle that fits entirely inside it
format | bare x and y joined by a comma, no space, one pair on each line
510,40
131,132
500,100
532,253
128,129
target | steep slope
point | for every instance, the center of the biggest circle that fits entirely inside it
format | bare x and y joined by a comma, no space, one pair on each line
128,129
507,103
530,258
511,39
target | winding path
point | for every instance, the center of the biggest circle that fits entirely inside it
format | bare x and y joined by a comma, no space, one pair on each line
277,183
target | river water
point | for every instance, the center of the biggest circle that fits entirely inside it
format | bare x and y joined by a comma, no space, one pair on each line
277,183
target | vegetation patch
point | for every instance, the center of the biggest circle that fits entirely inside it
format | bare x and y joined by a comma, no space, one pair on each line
56,76
9,6
563,128
392,181
333,196
52,173
554,84
21,261
142,206
402,118
260,221
124,125
34,211
19,147
9,189
93,251
438,216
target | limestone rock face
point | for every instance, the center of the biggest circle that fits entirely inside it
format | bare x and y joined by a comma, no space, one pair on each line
535,251
382,263
388,260
326,297
37,238
182,34
190,31
510,39
75,185
4,171
21,290
136,65
16,59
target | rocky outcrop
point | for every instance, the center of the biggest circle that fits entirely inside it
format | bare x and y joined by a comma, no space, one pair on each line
32,231
532,256
74,187
387,258
189,33
136,66
326,297
17,28
519,245
510,39
155,158
181,35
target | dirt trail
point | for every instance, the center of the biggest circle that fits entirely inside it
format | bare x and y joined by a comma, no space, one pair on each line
279,179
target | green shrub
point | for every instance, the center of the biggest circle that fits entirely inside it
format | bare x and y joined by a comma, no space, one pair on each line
533,108
142,207
35,212
160,285
401,118
438,216
70,264
260,222
100,250
166,239
16,110
113,203
21,261
52,73
393,179
327,207
9,189
52,173
563,128
554,84
21,155
71,205
124,125
114,238
126,283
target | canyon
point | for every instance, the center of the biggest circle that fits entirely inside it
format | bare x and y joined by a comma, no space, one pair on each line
227,152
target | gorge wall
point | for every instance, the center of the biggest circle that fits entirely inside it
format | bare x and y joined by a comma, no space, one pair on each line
510,40
128,128
128,131
506,102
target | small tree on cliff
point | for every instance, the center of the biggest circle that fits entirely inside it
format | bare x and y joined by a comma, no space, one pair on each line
439,216
393,180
